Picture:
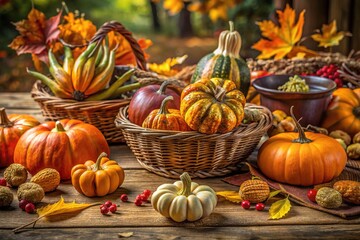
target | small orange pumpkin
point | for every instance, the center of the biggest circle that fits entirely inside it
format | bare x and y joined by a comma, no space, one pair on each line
303,158
343,112
97,179
12,126
165,119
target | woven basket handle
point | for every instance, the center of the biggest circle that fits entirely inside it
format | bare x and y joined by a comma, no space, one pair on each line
118,27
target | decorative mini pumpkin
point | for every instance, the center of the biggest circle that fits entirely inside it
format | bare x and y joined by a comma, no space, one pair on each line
343,112
184,200
303,158
165,119
12,126
212,106
149,98
97,179
59,145
225,62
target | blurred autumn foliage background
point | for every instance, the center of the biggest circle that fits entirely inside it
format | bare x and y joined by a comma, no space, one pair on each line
176,27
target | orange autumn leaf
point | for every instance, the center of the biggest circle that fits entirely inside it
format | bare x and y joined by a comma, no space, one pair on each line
173,6
36,34
282,41
124,53
166,68
329,36
216,9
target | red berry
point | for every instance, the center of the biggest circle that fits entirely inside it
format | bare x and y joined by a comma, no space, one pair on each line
336,74
108,203
260,206
245,204
23,203
3,182
312,194
124,197
319,72
338,82
113,208
104,210
142,197
138,202
30,208
147,193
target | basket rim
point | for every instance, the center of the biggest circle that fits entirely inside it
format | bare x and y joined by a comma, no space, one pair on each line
39,94
122,122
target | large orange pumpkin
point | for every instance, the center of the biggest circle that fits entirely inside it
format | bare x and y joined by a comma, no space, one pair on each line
59,145
343,112
303,158
12,126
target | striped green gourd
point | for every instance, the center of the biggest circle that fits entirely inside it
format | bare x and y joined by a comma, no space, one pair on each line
225,62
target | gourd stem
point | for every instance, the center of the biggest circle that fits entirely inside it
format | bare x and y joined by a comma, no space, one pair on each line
186,181
98,161
4,120
302,137
356,112
231,23
59,127
220,93
163,87
163,108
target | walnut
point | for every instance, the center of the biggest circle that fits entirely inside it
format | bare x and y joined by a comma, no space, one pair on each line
328,198
15,174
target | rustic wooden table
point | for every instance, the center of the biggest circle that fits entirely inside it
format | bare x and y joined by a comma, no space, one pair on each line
229,221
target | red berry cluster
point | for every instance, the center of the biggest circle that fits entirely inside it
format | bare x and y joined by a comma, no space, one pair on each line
331,72
311,194
108,206
3,182
142,197
27,206
246,205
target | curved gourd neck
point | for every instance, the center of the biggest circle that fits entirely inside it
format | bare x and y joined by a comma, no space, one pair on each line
229,43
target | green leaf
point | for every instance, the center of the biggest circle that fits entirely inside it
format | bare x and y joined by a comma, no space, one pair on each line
279,208
273,194
231,196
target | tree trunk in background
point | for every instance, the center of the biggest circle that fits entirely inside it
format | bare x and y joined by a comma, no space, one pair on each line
316,14
354,26
155,17
185,27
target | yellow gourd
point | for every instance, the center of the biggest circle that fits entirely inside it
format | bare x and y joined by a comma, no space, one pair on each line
184,200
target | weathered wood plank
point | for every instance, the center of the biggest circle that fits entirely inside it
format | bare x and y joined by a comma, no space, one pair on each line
254,232
17,101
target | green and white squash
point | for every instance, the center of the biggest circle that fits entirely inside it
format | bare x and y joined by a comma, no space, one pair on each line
225,62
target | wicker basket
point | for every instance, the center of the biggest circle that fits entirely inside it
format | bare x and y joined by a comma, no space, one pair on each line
101,113
170,153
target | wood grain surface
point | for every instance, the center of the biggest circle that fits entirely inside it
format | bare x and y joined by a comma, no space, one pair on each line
229,220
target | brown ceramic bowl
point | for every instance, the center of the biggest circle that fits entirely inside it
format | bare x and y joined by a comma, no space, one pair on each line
310,106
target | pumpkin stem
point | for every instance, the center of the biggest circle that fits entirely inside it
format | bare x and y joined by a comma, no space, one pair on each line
163,108
220,93
356,112
186,181
58,127
231,23
78,96
302,137
98,161
163,87
4,120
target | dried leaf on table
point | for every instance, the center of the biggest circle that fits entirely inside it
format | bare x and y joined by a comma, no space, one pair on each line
273,194
231,196
125,234
282,41
58,208
279,208
329,36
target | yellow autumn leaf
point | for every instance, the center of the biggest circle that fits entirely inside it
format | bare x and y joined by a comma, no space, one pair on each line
173,6
329,36
215,9
282,41
60,207
166,68
231,196
279,208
